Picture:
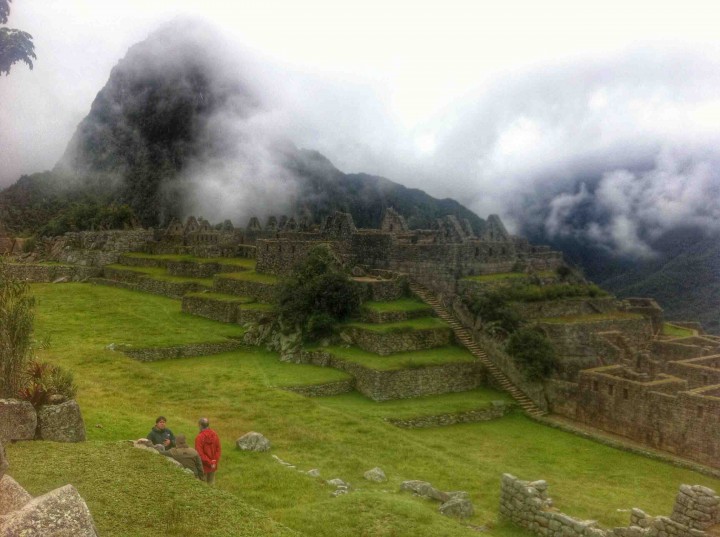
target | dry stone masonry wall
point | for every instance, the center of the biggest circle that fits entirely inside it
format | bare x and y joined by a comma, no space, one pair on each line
527,505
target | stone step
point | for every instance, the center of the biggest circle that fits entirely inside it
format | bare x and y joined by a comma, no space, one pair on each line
465,338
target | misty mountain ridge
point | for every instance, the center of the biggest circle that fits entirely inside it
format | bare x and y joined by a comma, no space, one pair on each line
185,125
180,128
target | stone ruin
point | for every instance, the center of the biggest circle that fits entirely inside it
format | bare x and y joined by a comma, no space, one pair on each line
696,513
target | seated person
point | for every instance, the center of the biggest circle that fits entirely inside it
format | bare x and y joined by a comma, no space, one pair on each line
186,456
160,435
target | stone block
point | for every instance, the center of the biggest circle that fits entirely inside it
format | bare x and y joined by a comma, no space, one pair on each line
60,513
18,420
61,423
12,495
457,507
376,475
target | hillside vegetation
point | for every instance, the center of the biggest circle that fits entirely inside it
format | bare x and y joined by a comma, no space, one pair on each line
131,492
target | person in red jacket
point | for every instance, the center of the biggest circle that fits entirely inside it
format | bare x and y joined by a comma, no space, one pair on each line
207,444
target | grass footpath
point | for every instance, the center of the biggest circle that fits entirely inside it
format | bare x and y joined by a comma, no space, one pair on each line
131,492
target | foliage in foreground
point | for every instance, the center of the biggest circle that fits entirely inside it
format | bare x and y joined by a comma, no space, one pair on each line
16,328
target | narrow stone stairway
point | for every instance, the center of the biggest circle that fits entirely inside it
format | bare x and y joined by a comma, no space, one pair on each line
464,336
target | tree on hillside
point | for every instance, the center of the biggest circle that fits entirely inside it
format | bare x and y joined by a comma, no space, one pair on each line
318,295
15,45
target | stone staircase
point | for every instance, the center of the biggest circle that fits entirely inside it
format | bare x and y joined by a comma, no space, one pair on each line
464,337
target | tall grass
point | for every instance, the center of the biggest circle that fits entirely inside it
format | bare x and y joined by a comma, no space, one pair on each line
16,328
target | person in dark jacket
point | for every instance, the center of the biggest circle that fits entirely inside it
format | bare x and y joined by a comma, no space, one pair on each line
186,456
161,435
207,444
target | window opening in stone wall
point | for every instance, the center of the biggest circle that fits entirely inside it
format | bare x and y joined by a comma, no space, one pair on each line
625,393
477,252
490,251
292,249
611,389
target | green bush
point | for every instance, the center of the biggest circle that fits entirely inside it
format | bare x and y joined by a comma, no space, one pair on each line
317,296
494,312
533,352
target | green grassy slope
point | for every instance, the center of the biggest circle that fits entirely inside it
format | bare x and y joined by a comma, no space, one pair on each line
341,436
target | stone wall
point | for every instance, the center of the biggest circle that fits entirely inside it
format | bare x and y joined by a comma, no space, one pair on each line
527,505
98,248
566,307
404,383
382,289
663,412
378,317
262,292
401,340
582,345
37,273
153,354
496,410
281,256
323,390
224,311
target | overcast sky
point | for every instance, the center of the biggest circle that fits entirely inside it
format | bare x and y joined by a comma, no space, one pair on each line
525,108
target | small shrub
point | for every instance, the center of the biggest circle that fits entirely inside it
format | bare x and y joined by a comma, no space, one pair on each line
533,352
44,382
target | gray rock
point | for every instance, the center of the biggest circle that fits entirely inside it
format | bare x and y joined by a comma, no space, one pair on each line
314,472
4,464
12,495
142,443
336,482
253,441
376,475
60,513
61,423
458,508
18,420
425,489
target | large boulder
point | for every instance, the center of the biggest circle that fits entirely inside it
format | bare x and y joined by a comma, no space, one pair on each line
12,495
425,489
60,513
253,441
18,420
61,423
376,475
458,507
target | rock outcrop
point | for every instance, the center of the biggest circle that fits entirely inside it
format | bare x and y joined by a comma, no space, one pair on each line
60,513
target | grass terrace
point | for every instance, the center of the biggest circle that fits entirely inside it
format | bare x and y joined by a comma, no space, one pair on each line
244,262
430,405
673,330
421,323
160,274
119,316
251,276
404,304
402,360
575,319
341,436
223,298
